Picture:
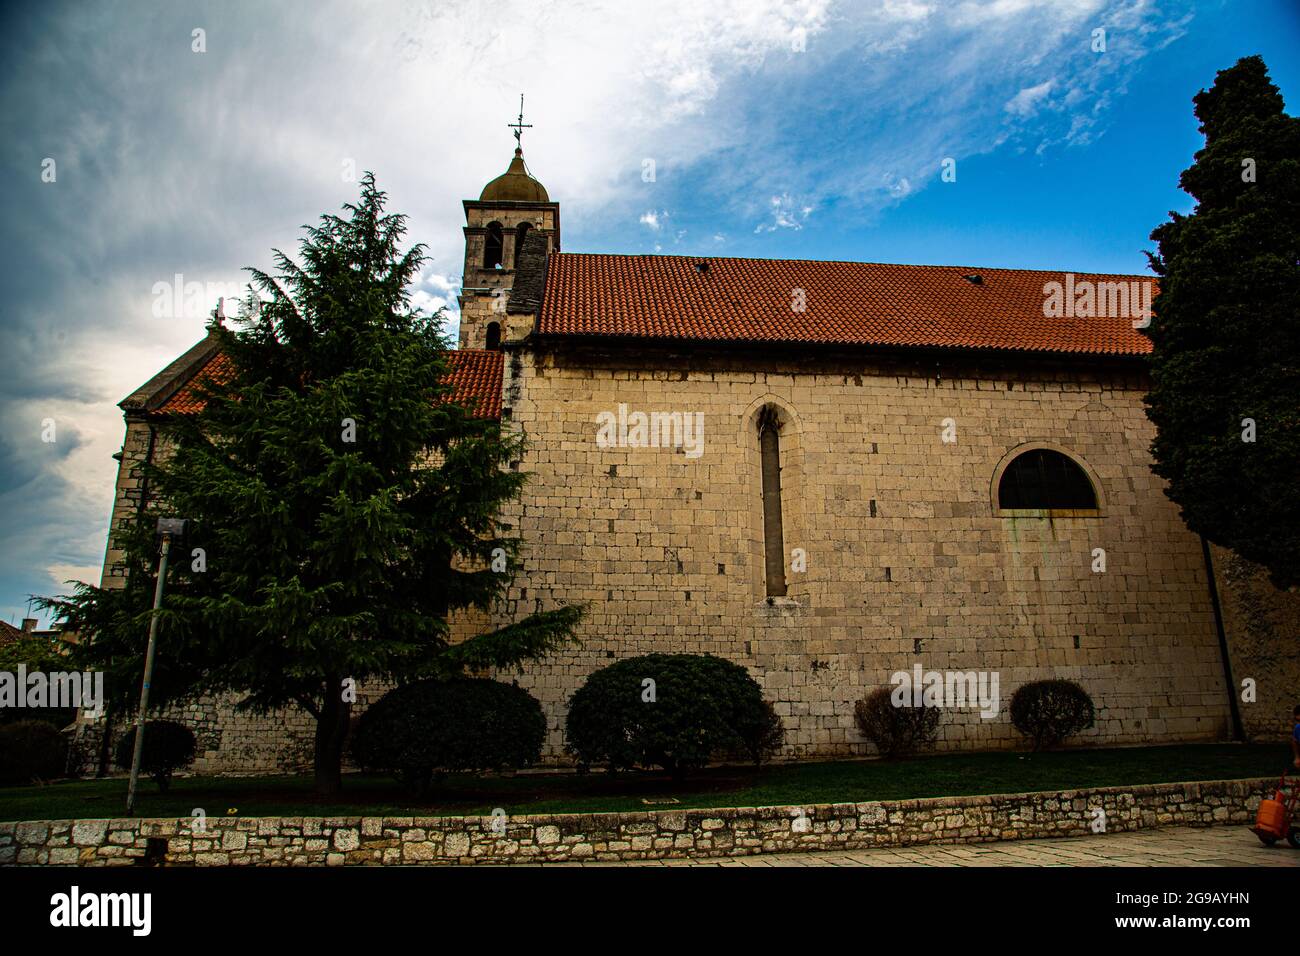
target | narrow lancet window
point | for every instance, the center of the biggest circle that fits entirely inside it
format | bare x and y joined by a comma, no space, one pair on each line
769,444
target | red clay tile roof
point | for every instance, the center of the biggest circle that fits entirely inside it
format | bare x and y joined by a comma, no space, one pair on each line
847,303
186,400
475,375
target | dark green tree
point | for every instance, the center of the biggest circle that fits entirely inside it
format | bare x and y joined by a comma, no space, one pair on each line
1226,328
36,652
344,506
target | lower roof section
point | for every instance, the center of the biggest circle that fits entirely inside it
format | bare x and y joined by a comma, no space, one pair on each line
475,377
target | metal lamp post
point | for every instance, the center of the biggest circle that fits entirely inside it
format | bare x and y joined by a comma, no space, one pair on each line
168,528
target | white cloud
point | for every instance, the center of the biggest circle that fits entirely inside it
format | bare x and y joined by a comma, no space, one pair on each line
434,290
1027,101
205,173
785,213
61,574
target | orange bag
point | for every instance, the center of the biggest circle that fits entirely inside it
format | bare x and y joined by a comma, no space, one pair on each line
1272,816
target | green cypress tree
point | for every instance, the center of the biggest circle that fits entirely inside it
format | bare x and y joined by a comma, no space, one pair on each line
1226,331
345,508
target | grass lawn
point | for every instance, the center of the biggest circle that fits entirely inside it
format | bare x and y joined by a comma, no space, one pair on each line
839,782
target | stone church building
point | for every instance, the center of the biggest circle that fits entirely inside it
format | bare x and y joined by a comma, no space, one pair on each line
827,472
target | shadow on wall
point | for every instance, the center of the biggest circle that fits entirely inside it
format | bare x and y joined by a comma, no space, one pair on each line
1263,629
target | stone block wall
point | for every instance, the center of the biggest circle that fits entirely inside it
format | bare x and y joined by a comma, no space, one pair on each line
908,559
232,742
651,835
1263,629
128,495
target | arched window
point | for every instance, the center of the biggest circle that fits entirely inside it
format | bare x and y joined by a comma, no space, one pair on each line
1043,479
769,447
492,249
493,336
519,239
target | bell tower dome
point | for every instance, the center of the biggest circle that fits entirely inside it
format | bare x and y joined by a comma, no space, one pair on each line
510,208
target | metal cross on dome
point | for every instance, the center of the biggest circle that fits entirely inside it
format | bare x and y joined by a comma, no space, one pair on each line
519,125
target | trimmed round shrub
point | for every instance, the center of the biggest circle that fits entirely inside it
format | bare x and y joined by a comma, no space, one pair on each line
433,726
895,730
761,734
31,751
168,747
674,711
1048,711
764,735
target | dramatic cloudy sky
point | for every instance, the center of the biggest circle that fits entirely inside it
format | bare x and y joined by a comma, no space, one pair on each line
807,129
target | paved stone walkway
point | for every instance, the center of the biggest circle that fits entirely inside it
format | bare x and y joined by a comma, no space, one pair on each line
1175,846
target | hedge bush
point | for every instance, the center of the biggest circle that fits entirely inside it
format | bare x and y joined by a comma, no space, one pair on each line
703,706
433,726
168,747
1048,711
763,735
31,751
896,731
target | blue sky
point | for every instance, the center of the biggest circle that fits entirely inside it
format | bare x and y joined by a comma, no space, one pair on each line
806,129
1032,200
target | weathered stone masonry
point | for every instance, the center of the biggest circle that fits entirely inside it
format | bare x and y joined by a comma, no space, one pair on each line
664,834
907,560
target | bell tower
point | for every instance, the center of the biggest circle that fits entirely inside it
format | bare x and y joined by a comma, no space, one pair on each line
510,208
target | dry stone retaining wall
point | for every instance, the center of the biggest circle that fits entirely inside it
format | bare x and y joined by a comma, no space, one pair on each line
659,834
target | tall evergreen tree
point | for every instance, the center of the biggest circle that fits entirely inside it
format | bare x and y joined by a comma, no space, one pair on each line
345,508
1225,396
